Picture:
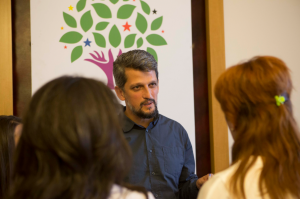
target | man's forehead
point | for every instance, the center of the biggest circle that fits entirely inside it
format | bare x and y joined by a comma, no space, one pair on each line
133,75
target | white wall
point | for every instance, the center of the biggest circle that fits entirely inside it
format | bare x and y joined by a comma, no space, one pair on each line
264,27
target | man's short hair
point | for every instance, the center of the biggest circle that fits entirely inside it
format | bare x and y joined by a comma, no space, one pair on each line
135,59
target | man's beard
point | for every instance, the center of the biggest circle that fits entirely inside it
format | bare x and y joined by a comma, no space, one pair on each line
140,113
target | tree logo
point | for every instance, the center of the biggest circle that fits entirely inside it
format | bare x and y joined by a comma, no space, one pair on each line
113,36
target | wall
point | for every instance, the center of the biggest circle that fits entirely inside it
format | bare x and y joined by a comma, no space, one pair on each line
264,27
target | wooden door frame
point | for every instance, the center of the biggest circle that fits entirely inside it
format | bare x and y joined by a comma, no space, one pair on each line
6,81
216,66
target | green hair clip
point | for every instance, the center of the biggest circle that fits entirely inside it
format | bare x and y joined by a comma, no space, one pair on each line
279,100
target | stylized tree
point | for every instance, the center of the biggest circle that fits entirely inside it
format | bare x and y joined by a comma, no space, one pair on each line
103,11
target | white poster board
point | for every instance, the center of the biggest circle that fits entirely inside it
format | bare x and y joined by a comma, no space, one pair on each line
68,38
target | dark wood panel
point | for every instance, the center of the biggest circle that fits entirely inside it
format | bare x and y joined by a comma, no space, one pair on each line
21,55
201,88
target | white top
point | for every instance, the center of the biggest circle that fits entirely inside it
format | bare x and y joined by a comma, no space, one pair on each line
118,192
218,186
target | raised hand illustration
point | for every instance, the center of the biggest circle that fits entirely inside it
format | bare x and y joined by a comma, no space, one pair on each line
106,67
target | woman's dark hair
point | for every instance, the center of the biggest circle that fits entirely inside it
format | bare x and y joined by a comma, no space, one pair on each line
247,93
7,147
72,145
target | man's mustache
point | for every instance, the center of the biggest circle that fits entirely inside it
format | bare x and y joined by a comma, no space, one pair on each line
147,101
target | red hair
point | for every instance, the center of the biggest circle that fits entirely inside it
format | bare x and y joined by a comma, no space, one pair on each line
247,93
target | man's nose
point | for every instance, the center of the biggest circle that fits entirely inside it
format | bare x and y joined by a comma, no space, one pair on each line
147,93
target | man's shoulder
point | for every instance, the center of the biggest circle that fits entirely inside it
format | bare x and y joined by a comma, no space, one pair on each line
163,120
173,127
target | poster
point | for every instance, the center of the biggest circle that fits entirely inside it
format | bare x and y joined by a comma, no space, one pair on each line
84,37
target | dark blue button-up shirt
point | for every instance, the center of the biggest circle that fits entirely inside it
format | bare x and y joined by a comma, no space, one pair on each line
163,160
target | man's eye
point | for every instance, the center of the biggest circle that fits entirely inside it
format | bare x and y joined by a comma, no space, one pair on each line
152,85
136,88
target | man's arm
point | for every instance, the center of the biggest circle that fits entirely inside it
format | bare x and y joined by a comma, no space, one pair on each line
187,181
189,184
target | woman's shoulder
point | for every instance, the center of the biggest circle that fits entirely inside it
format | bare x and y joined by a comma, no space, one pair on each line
217,186
118,192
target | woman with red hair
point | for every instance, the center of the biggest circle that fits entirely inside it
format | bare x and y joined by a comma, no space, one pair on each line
255,98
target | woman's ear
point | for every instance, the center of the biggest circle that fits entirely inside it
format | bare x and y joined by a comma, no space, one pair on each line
17,133
231,125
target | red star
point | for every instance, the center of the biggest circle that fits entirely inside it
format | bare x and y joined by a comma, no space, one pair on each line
162,31
126,26
65,47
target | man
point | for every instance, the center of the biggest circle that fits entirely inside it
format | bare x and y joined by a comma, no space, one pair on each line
163,155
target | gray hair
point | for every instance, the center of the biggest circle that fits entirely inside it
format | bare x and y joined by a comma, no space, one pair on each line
135,59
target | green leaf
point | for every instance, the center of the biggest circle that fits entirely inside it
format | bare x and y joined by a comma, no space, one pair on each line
156,40
76,53
70,21
86,21
141,23
129,40
102,10
125,11
152,52
139,42
99,39
145,7
114,1
102,25
71,37
114,36
125,0
80,5
156,23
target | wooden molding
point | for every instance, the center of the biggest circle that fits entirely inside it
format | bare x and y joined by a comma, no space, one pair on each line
201,104
216,65
6,85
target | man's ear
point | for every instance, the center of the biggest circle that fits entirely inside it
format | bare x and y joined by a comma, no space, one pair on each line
120,93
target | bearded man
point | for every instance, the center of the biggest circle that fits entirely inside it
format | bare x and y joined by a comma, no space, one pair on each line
163,160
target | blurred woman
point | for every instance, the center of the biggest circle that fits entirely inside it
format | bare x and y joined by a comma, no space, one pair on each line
255,98
10,129
72,145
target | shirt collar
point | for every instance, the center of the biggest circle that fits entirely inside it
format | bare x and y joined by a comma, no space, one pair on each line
128,123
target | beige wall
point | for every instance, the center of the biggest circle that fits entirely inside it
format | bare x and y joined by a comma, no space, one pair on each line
6,92
264,27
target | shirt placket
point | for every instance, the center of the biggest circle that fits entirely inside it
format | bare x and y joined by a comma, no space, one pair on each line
153,165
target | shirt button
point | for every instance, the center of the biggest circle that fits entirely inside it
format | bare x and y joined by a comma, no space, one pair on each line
150,151
153,173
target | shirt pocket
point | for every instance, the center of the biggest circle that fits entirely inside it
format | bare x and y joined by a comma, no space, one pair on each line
174,159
